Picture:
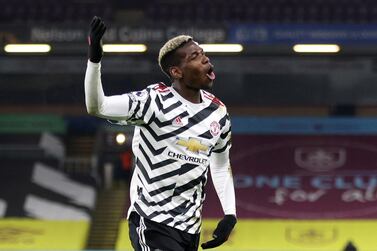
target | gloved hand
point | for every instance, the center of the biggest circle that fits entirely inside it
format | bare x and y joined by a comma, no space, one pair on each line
222,232
96,31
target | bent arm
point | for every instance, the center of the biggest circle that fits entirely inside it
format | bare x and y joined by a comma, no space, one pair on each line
113,107
222,178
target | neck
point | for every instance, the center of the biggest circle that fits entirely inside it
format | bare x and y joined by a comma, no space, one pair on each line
190,94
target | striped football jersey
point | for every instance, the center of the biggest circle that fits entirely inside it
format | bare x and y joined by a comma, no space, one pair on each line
172,144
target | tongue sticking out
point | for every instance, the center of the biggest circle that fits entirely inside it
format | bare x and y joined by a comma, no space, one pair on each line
211,75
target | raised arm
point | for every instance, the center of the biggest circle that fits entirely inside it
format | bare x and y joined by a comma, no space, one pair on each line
114,107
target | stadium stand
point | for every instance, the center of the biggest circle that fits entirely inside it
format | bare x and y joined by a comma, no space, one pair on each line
42,11
43,191
184,11
265,11
37,194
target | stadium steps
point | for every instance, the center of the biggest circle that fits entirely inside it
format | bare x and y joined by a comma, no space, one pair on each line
79,154
107,216
82,146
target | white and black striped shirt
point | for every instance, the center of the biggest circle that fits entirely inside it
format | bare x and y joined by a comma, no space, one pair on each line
174,143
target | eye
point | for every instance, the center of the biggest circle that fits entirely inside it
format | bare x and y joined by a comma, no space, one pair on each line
194,55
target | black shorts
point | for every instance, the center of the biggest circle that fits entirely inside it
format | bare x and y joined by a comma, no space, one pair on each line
147,235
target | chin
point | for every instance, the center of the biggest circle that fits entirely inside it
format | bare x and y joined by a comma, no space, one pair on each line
208,86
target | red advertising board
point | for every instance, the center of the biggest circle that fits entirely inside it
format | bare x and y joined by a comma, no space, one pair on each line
302,177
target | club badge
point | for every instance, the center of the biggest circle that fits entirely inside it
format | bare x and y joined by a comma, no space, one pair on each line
215,128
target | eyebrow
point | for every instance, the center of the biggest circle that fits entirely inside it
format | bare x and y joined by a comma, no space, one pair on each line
196,52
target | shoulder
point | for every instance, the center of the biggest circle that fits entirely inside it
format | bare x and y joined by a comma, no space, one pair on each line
157,90
209,97
159,87
151,91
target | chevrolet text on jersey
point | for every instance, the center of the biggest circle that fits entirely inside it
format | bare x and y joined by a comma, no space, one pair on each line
187,158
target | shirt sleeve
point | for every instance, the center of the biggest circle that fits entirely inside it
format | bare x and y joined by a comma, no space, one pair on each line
224,142
222,178
128,108
221,171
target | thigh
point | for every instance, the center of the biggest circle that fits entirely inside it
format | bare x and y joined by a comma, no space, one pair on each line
161,237
194,242
146,235
133,225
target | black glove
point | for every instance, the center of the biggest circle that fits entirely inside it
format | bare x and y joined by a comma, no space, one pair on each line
96,31
222,232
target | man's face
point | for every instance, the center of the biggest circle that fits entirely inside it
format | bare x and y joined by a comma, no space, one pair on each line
197,71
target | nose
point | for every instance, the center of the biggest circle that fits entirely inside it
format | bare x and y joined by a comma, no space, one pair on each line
206,59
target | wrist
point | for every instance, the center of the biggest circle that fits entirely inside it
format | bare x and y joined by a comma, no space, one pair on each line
95,52
231,218
94,61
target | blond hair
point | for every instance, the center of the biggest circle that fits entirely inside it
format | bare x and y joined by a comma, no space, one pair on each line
169,47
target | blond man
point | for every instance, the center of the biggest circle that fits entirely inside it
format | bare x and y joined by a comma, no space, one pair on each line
182,131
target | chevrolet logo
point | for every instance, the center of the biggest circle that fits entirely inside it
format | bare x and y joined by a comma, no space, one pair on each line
192,145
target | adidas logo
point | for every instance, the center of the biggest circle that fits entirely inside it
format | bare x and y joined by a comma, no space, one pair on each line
177,121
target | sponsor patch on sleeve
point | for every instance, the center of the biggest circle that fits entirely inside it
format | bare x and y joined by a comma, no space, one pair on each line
139,95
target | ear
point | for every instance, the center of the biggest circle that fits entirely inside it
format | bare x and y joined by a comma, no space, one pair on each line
175,72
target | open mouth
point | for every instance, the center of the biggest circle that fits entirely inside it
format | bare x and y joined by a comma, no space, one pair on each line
211,74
